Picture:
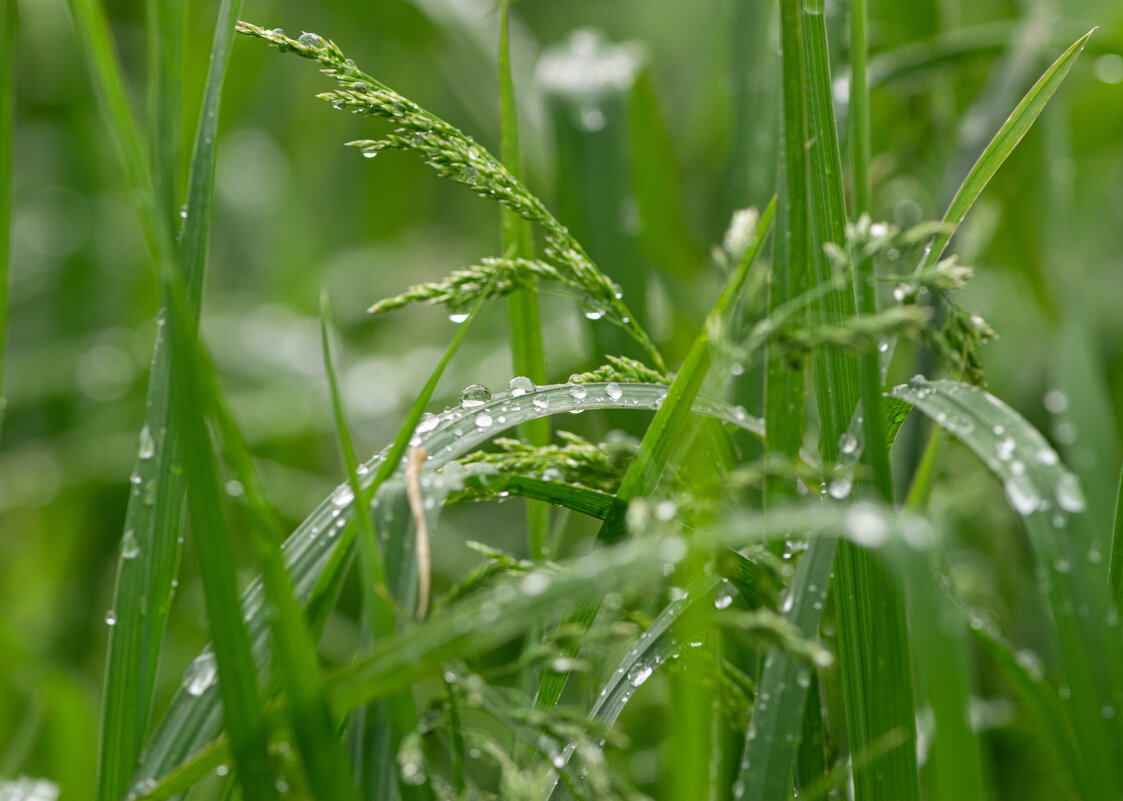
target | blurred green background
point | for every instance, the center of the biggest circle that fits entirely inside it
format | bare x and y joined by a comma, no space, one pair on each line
646,170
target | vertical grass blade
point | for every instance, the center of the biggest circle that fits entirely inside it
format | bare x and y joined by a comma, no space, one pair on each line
7,120
165,19
1115,574
873,638
144,583
524,324
242,711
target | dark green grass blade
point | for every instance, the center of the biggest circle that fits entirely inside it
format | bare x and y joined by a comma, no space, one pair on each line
243,716
7,117
1048,499
661,436
873,638
143,592
1003,143
524,324
1115,573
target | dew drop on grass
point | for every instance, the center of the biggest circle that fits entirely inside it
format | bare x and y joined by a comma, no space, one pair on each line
847,443
578,392
613,391
1069,495
474,395
312,40
1022,495
535,583
483,420
1046,456
130,548
558,761
146,445
427,422
342,496
520,385
1005,448
722,600
200,674
222,770
866,526
639,674
111,617
840,488
1055,401
541,403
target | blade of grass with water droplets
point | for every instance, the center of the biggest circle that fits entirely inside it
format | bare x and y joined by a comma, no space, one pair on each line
165,39
1050,503
873,638
663,432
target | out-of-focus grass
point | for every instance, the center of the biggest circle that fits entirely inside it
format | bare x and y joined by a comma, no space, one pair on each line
295,213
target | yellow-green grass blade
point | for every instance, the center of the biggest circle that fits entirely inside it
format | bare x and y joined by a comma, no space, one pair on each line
1001,145
663,433
1049,500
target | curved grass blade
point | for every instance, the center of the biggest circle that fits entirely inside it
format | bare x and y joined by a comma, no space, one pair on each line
1050,503
192,721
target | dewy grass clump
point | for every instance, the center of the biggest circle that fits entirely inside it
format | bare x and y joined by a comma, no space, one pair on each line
713,604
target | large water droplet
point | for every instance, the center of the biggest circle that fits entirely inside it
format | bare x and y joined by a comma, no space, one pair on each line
613,391
579,392
427,422
130,548
200,674
483,420
722,600
474,395
639,674
1022,494
847,443
520,385
312,40
342,496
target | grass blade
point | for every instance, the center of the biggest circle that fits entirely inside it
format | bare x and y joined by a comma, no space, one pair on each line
7,118
237,676
525,327
1001,145
164,19
1048,499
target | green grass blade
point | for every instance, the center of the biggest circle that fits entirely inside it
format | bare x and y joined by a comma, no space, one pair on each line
242,710
7,118
663,433
524,324
165,99
1001,145
873,638
1115,572
1048,499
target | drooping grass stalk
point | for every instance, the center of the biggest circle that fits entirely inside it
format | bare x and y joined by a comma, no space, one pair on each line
873,638
665,429
7,122
144,583
523,321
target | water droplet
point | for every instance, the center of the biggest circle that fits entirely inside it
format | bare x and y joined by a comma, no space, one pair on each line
1047,456
639,674
183,212
552,474
541,403
535,583
111,617
840,488
883,347
200,674
579,392
1069,495
866,525
1022,494
474,395
520,385
130,548
665,510
427,422
847,443
483,420
342,496
222,770
613,391
722,600
1005,448
592,308
369,153
312,40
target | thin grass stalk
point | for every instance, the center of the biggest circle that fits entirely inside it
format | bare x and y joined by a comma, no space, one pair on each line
873,635
166,31
523,319
1115,576
8,23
